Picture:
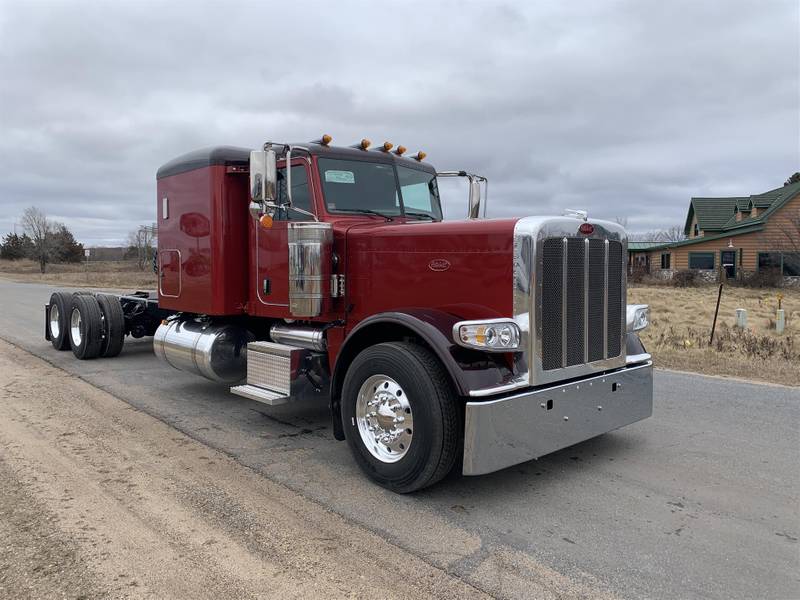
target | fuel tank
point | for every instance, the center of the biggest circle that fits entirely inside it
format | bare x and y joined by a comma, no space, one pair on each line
216,351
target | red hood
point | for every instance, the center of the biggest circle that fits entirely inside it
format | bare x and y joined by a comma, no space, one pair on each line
460,267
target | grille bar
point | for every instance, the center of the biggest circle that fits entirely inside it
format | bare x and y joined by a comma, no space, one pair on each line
564,299
582,300
605,298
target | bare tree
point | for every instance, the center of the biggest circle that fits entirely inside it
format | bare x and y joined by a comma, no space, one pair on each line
40,231
140,245
671,234
622,221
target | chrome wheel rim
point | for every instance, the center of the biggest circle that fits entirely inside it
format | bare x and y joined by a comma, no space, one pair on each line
75,327
384,418
55,328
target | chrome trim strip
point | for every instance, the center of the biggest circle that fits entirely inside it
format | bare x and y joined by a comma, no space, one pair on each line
586,300
564,286
500,389
605,300
638,358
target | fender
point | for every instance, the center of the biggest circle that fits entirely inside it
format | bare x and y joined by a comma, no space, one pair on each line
468,369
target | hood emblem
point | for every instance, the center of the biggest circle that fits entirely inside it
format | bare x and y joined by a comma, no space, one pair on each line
439,264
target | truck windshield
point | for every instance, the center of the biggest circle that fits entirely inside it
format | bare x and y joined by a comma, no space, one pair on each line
351,186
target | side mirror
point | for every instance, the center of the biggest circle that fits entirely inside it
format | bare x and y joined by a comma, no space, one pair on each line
474,198
263,179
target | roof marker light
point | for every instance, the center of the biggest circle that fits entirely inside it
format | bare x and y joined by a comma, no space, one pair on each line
420,156
400,150
362,145
385,147
325,140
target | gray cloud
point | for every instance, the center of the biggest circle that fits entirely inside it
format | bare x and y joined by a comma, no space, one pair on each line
623,108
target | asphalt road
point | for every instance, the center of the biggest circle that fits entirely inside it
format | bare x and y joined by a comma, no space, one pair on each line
701,500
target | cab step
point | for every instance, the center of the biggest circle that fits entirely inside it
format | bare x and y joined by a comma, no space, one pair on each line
278,374
260,394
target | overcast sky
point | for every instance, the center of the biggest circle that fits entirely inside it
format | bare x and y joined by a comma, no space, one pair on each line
626,109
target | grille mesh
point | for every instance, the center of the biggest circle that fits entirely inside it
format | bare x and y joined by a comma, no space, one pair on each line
552,280
575,284
594,323
597,278
614,298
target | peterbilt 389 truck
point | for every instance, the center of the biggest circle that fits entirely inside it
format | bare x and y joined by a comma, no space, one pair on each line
316,273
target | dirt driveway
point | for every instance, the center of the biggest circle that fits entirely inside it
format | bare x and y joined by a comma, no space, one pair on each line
98,499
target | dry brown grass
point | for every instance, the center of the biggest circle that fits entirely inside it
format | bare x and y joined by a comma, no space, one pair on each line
100,274
677,338
679,334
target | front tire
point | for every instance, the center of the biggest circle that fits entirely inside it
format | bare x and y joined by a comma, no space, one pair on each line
400,416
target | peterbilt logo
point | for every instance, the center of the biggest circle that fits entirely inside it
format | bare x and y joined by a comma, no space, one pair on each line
439,264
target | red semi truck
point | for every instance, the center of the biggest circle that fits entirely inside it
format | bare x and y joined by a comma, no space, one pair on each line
309,272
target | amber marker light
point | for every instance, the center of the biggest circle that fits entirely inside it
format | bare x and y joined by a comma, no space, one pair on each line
386,146
365,143
420,156
400,150
266,221
325,140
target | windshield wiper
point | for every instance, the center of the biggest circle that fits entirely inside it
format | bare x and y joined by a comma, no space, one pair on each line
365,211
419,214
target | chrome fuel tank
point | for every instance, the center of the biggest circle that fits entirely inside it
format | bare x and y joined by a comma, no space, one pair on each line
310,247
216,351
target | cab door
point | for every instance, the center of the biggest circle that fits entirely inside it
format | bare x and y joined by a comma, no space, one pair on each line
271,269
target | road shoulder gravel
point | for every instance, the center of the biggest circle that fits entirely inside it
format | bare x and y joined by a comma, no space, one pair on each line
99,499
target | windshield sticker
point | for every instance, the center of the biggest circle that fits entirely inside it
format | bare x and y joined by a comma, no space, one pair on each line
340,177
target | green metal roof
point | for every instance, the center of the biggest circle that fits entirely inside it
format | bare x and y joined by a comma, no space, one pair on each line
719,214
635,245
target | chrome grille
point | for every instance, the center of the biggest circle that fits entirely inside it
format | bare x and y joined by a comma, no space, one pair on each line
552,280
582,300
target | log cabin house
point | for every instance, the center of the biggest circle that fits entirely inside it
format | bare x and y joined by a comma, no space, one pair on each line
730,238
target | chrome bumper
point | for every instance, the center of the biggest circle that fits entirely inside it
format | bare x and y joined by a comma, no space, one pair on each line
507,431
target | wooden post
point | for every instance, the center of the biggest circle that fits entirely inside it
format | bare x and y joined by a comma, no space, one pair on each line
716,312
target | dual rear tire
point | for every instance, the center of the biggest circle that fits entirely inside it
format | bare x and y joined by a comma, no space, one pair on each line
90,325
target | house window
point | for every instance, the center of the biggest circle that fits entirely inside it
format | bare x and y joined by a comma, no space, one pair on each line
769,260
665,258
791,264
696,230
788,262
701,260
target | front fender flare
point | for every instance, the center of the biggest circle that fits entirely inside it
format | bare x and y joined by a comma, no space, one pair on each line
468,369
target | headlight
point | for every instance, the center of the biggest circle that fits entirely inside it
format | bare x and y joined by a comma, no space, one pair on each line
638,316
492,335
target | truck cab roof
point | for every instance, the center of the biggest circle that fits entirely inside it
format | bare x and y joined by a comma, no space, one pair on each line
240,157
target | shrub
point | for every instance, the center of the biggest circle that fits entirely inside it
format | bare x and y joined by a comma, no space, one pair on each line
687,278
765,278
637,274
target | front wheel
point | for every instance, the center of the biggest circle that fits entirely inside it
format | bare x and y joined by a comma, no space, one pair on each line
400,416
